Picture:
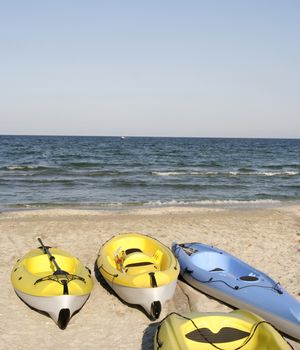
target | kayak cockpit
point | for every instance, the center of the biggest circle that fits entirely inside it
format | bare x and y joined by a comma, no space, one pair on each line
217,262
40,264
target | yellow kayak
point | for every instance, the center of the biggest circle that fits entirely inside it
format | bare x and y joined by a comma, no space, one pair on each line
140,270
209,331
53,281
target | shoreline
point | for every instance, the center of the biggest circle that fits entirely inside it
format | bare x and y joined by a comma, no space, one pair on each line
266,238
115,207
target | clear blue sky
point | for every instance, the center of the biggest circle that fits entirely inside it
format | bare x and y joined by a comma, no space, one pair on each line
150,67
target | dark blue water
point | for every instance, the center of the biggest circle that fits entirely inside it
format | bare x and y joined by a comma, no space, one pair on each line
104,172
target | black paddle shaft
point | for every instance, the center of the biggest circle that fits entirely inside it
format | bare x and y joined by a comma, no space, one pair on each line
52,259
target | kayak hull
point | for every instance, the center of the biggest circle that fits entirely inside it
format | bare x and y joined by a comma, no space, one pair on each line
223,276
145,296
59,293
141,270
54,305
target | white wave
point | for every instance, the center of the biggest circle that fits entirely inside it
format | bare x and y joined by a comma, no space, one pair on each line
277,173
178,173
167,203
117,204
236,201
17,167
230,173
168,173
204,173
292,173
23,167
211,202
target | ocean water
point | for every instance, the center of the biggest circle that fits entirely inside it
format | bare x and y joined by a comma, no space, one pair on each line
115,172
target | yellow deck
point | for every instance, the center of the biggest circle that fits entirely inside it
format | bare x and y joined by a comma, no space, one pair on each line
36,265
241,328
128,259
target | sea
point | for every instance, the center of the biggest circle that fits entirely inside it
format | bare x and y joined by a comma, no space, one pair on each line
126,172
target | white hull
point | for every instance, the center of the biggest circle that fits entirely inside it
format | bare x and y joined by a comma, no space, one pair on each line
54,304
144,296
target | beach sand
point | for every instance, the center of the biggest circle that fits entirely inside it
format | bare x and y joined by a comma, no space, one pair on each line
268,239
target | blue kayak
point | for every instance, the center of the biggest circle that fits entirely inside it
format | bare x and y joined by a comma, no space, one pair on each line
225,277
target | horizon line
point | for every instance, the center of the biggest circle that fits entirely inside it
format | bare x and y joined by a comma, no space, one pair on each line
147,136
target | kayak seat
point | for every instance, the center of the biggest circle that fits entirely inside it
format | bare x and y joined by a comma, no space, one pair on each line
137,257
140,269
133,250
142,263
216,262
138,262
211,261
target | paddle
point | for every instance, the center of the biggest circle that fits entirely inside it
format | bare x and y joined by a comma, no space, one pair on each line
58,271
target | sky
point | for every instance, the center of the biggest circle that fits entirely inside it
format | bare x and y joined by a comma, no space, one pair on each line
190,68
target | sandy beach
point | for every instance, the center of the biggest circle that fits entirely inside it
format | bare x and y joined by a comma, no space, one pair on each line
268,239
